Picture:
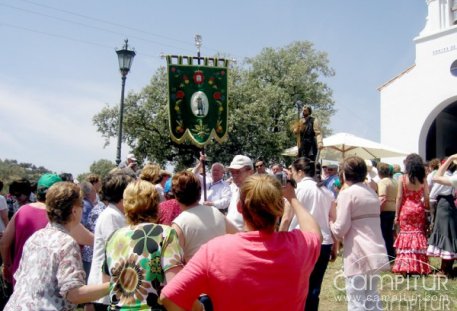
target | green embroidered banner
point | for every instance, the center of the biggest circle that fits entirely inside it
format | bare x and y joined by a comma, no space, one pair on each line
197,101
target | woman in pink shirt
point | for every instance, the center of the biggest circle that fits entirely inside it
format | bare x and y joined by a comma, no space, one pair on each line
253,270
358,225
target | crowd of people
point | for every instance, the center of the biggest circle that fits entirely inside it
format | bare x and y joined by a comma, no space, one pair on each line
248,236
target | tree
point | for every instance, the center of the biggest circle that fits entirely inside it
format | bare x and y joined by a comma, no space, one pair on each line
101,167
11,170
262,93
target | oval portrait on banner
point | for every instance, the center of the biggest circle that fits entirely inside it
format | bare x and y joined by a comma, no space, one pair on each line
199,104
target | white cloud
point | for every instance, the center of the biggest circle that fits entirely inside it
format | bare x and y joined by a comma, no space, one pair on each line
53,128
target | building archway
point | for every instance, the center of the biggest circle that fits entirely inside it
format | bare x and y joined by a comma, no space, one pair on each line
441,131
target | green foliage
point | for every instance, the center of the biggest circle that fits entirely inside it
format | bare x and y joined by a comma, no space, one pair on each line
11,170
262,93
101,167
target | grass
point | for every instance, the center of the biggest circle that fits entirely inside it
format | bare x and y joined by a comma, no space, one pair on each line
397,292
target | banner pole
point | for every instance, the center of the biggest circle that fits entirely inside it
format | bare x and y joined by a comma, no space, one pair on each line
198,44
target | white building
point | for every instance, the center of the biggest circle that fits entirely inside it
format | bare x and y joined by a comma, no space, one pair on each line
419,106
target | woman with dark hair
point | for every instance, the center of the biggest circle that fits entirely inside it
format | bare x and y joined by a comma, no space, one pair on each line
253,270
197,224
19,194
319,202
358,225
29,219
412,201
50,275
143,256
109,220
443,240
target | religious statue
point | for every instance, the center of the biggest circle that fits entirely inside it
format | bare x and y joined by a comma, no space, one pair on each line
309,138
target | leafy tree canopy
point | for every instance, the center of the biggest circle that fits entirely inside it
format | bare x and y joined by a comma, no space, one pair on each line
11,170
262,93
100,167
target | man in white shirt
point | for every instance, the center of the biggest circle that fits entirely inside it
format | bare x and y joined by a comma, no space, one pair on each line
240,168
218,191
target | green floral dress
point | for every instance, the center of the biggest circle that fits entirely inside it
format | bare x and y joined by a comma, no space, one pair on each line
136,258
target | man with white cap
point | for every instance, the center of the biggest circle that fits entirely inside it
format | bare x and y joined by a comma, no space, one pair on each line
240,168
130,162
331,176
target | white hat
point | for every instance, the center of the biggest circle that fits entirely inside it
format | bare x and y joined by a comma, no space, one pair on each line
326,163
240,161
131,156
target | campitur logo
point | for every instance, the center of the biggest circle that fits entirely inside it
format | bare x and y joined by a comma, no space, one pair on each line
395,291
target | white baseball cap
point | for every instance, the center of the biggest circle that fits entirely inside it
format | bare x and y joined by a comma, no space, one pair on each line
240,161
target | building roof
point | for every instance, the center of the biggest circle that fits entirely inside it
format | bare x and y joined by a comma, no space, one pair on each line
396,77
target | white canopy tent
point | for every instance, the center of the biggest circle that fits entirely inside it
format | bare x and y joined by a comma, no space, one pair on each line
342,145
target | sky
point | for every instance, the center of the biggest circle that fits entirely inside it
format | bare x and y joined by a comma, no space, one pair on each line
59,66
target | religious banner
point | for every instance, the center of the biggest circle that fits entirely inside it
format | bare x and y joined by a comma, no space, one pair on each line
197,100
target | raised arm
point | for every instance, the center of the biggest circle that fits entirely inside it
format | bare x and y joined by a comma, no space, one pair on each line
287,216
306,222
196,170
439,176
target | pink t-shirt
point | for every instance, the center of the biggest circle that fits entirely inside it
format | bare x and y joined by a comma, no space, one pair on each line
27,221
249,271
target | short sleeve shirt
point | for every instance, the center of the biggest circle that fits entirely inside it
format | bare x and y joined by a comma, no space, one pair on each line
249,271
388,187
137,258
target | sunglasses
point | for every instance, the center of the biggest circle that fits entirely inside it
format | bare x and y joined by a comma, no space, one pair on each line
259,165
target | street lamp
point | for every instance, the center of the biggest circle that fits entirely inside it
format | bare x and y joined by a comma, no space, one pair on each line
125,57
198,43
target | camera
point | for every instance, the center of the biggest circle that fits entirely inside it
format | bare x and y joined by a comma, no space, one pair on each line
284,180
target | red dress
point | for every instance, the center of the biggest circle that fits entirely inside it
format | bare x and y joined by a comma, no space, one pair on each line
411,242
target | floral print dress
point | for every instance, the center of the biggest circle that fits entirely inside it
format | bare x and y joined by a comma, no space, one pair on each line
137,258
411,243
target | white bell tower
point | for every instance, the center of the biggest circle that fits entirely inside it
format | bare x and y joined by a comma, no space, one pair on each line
419,105
442,14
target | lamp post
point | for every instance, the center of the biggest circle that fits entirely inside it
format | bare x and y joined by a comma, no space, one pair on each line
198,44
125,57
